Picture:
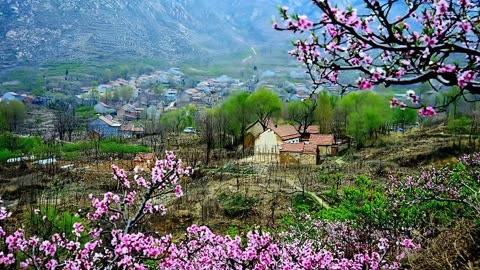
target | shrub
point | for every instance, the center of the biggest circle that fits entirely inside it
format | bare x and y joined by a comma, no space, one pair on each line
237,205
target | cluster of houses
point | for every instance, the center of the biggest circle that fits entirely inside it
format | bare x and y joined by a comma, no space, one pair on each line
117,118
11,96
291,146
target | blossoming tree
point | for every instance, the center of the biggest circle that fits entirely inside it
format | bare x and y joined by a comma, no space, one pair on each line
113,237
432,41
457,183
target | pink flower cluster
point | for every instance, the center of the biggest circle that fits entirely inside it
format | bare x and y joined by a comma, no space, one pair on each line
413,98
427,112
466,77
394,103
303,23
289,250
296,23
364,84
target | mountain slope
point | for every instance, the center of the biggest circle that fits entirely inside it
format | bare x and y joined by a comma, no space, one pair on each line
35,32
41,31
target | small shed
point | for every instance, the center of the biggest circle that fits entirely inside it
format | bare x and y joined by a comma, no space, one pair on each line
291,153
324,143
309,154
299,153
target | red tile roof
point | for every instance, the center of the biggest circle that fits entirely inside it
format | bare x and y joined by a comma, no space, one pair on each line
321,139
106,120
299,148
310,149
292,147
286,132
313,129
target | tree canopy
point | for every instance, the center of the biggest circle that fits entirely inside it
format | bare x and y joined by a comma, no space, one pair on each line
12,114
366,113
265,105
302,113
240,113
324,112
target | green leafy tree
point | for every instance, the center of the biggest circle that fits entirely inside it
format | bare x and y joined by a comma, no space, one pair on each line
38,92
324,112
109,95
367,115
125,92
265,105
107,74
241,114
14,112
302,113
122,71
402,118
459,127
3,123
94,94
177,120
159,89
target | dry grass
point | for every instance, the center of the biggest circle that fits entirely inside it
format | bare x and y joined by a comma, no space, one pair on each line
457,248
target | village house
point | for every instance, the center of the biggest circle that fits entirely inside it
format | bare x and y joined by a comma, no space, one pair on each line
129,112
103,108
291,146
299,153
85,99
308,152
163,77
176,72
171,95
11,96
203,86
27,98
324,143
251,133
103,89
270,141
312,129
193,95
104,127
191,91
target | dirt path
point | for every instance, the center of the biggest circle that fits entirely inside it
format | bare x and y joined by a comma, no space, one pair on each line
319,200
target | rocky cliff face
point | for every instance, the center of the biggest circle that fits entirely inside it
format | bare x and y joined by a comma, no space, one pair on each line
41,31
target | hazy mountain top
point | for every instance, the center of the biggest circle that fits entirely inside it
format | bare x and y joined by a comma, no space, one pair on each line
40,31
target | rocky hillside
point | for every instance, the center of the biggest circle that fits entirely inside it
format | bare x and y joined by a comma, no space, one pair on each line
41,31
